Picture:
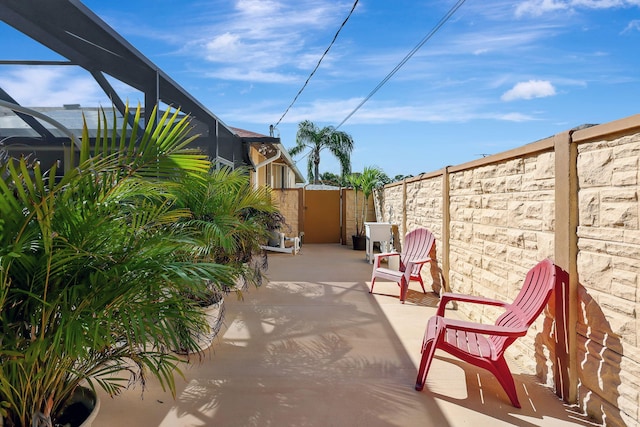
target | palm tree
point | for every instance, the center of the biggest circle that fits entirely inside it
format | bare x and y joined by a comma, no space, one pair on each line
224,207
310,136
94,266
330,178
371,178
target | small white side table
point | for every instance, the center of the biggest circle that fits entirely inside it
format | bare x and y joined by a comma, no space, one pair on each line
376,232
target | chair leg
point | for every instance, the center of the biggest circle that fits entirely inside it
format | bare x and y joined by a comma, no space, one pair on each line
503,374
428,351
376,264
419,277
404,288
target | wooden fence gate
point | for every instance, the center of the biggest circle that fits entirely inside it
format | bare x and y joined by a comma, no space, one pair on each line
322,218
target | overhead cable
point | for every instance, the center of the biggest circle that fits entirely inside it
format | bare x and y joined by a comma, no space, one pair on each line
318,64
406,58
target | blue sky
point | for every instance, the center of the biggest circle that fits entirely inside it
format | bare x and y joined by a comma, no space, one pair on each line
497,75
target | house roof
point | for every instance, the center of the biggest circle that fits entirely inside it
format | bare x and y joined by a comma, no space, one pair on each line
247,134
269,146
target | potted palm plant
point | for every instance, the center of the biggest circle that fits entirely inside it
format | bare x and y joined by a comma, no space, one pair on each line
270,221
365,182
94,265
219,202
357,239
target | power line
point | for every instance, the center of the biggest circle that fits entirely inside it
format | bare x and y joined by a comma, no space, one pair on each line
406,58
318,64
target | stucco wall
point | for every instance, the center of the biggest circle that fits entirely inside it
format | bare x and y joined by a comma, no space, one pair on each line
290,205
288,202
497,218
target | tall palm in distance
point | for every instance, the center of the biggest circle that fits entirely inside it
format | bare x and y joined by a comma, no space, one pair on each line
313,138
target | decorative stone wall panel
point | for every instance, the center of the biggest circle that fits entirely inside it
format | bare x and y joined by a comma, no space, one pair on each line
502,221
608,269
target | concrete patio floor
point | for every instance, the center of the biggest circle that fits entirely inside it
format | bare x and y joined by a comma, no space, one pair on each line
314,348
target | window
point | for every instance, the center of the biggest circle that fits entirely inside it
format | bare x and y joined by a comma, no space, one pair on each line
279,176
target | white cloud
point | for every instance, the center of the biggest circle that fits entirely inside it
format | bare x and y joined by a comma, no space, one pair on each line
257,76
632,26
480,51
50,87
603,4
263,37
497,39
540,7
529,90
225,45
258,7
515,117
333,111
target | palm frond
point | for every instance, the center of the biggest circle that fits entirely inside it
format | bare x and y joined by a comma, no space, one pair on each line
94,266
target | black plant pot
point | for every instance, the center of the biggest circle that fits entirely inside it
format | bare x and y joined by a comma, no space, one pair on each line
359,243
80,410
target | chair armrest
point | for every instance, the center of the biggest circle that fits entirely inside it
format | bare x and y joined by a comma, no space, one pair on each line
378,257
387,254
408,266
448,296
417,262
481,328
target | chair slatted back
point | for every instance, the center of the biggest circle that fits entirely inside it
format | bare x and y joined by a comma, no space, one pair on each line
531,300
417,245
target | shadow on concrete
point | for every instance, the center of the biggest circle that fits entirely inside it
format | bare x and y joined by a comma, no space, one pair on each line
307,354
314,348
484,395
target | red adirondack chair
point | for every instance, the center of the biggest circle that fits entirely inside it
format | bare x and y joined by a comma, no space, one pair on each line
415,253
484,345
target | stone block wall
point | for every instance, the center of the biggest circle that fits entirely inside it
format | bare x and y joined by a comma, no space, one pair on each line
391,203
413,204
609,268
497,218
423,205
501,226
